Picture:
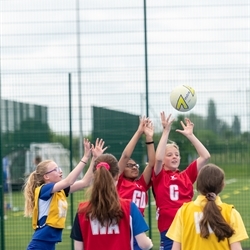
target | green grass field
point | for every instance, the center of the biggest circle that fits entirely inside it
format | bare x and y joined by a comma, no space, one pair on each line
18,230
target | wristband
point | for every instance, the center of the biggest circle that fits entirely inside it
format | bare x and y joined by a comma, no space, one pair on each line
150,142
83,162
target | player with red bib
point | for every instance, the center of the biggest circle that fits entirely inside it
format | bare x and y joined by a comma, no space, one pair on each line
173,187
131,185
106,221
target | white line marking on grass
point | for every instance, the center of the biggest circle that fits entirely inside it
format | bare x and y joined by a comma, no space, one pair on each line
231,181
225,196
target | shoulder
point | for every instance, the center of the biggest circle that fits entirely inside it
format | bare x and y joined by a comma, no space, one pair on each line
46,188
226,205
140,178
191,171
125,203
141,181
81,210
45,191
121,179
121,176
83,204
186,205
162,173
192,165
227,209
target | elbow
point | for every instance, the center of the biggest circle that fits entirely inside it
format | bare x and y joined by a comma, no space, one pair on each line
70,182
207,157
151,162
85,182
144,242
125,156
146,245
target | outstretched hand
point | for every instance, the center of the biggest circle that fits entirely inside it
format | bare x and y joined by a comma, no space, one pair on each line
187,128
98,149
166,122
87,148
149,128
142,122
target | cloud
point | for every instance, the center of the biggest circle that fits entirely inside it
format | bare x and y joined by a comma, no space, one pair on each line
203,45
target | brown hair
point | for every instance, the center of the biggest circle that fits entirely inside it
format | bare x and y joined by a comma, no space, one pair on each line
104,204
210,183
35,179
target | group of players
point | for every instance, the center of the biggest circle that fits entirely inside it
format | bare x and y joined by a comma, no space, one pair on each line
112,215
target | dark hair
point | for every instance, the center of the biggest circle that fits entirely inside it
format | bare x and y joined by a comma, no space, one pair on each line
210,183
104,204
37,159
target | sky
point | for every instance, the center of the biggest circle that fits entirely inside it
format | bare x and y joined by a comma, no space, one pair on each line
202,44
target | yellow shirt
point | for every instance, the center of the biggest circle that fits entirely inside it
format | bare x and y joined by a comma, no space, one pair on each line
56,216
185,227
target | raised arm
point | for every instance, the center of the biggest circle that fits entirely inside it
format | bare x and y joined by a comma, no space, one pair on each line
128,150
149,133
96,150
161,148
203,153
73,175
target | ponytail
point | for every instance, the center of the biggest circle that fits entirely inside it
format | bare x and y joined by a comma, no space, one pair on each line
29,194
35,179
212,217
210,183
104,204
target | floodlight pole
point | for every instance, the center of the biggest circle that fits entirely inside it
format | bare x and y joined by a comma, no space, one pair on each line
78,38
147,105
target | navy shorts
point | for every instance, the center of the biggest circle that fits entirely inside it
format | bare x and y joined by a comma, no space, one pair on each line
41,245
165,241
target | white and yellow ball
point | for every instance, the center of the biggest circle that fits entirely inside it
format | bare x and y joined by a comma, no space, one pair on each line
183,98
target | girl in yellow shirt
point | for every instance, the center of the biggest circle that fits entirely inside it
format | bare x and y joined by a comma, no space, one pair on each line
207,223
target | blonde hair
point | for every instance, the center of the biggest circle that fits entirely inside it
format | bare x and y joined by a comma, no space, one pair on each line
35,179
172,144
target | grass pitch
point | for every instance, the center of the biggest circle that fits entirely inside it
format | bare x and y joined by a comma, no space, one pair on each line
18,230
